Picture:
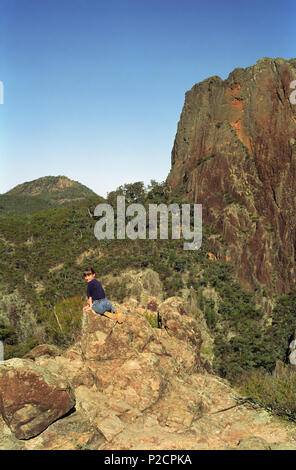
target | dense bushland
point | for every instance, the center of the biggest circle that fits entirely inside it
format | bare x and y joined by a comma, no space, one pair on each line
42,288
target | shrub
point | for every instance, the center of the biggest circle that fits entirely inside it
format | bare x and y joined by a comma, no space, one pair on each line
7,334
275,393
16,313
152,319
117,290
64,321
19,349
173,285
211,317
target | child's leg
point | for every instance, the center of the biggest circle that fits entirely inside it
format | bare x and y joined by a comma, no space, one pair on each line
109,306
98,307
103,305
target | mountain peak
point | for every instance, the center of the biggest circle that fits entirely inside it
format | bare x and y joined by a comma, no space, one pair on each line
41,194
59,189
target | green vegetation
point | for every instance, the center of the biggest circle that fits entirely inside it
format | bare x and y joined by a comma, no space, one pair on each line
210,314
205,159
117,290
230,199
14,348
278,335
276,394
18,205
43,254
63,321
40,268
151,319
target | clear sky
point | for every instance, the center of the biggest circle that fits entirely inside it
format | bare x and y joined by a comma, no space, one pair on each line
93,89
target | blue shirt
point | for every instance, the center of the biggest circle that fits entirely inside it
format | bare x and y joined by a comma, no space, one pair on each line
95,290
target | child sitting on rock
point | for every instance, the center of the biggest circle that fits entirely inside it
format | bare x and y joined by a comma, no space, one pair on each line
97,300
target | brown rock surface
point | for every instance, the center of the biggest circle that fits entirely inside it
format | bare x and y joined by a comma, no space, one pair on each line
138,387
43,350
235,153
31,397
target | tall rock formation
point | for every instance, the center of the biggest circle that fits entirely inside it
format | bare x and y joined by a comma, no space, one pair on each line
235,153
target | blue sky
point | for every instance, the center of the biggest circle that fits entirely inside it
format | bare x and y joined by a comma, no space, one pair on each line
94,89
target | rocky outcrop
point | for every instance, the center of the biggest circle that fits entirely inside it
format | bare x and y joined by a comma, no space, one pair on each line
139,285
135,387
235,153
43,350
31,397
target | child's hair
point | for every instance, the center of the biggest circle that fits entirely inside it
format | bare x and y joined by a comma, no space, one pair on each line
88,270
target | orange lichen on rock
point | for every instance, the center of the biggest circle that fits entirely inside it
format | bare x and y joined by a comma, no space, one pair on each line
236,88
237,126
248,143
238,104
233,91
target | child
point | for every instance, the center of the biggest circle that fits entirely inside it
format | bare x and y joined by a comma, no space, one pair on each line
97,300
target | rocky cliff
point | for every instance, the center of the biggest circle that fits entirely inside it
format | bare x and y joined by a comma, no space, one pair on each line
129,386
235,153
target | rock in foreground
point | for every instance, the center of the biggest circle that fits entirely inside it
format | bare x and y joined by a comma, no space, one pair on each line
136,387
31,397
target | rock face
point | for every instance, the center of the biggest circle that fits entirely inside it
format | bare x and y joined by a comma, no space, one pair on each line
235,153
140,285
31,397
135,387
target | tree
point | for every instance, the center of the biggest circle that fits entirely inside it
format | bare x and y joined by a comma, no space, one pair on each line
133,193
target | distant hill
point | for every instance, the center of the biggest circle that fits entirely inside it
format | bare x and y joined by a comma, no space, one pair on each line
41,194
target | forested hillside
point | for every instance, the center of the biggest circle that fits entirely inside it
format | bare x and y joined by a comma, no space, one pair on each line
42,288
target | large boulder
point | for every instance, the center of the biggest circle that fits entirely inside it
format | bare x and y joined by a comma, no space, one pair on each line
31,398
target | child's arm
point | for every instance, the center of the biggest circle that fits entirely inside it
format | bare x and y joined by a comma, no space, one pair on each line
89,306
